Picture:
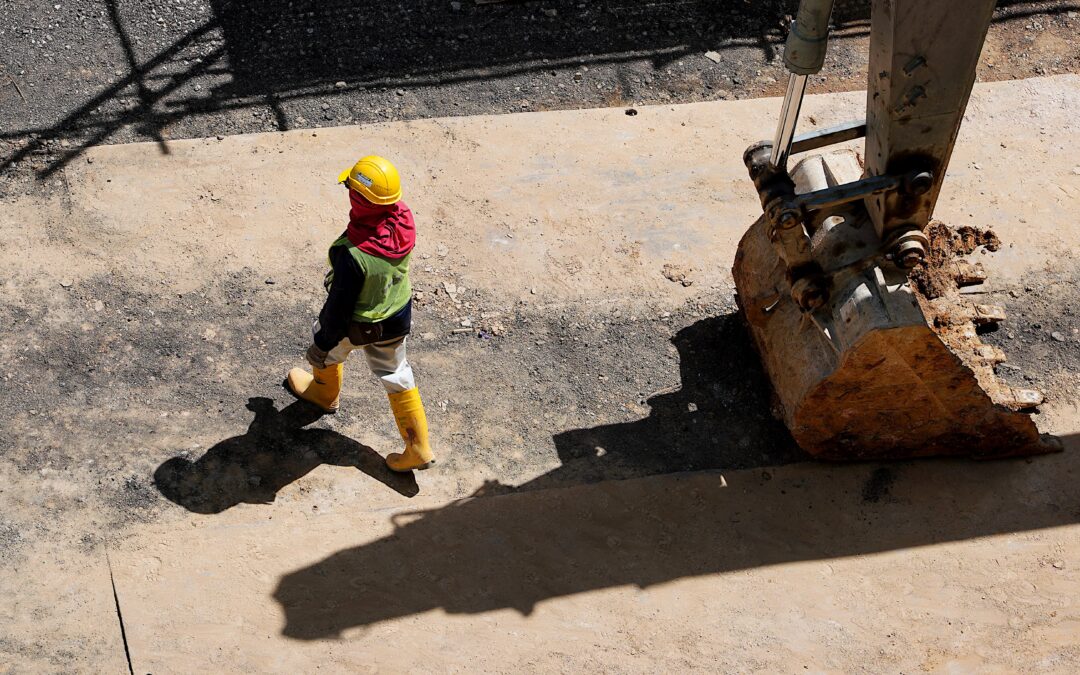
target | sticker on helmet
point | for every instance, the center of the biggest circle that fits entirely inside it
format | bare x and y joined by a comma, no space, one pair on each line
363,179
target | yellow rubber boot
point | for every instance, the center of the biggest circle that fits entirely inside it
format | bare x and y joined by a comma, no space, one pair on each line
323,388
412,423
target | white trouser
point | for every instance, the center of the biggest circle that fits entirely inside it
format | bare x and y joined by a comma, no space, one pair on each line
386,359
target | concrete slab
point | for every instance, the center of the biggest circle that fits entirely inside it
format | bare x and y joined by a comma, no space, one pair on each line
770,571
59,614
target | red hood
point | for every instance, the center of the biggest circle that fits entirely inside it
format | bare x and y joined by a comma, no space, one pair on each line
387,231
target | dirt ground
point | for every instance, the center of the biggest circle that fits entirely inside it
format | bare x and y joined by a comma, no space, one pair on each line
613,492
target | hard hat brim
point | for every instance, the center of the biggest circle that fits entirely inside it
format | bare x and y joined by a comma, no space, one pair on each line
344,175
372,197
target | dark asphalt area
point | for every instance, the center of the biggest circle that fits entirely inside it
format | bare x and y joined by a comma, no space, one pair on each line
76,73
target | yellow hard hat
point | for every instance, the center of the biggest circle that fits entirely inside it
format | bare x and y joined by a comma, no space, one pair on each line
375,178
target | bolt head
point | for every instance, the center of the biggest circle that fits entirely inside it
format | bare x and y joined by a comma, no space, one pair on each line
921,183
809,293
789,219
910,259
909,254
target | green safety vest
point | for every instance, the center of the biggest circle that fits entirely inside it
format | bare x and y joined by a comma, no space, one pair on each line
386,288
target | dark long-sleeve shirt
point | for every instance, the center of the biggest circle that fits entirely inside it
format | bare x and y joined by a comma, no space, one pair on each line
340,302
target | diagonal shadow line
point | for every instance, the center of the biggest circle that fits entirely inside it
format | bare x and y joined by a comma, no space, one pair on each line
108,93
146,99
155,122
1024,9
162,119
280,118
185,105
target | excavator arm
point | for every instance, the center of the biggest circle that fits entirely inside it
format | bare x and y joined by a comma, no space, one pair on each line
864,362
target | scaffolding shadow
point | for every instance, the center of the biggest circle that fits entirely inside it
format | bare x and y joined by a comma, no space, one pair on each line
263,54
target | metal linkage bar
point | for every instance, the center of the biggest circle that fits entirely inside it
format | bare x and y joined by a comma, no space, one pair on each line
846,193
848,131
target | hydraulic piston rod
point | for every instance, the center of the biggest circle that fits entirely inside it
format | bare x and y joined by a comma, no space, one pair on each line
789,115
804,54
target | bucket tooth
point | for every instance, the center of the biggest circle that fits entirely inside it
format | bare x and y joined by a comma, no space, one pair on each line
1022,399
987,315
990,354
968,274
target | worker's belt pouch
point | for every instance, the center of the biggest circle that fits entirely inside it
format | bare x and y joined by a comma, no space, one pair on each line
364,333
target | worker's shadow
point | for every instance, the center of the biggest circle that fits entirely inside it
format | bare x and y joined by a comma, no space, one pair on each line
275,451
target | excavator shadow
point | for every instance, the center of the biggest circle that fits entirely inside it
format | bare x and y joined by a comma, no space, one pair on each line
275,451
518,550
718,418
578,529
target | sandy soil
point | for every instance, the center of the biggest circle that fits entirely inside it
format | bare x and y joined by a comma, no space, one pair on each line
154,304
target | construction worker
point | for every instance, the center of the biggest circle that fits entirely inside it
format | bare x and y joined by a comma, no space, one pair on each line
369,307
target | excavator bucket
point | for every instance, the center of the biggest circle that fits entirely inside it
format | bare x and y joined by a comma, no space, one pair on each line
891,364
